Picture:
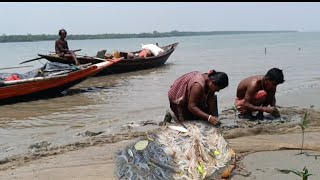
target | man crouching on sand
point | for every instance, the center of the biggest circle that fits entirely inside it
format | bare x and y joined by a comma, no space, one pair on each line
256,93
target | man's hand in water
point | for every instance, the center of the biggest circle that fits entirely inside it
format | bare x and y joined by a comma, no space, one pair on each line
213,120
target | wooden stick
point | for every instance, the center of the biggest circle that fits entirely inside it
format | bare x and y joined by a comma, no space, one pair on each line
79,55
15,67
31,60
43,57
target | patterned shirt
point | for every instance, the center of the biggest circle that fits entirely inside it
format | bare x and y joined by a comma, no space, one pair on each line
179,92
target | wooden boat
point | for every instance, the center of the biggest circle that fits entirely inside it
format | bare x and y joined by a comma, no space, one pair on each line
50,83
126,65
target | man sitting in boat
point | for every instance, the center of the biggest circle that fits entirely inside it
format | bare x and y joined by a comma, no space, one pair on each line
256,93
62,48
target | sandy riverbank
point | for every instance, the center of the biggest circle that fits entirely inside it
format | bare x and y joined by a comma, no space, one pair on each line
94,158
275,165
98,162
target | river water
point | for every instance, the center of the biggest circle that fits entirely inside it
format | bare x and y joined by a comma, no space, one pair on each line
105,103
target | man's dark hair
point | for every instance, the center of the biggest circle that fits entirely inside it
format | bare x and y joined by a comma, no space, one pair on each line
276,75
60,31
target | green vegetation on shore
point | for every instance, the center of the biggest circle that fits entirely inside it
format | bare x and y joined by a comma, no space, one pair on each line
47,37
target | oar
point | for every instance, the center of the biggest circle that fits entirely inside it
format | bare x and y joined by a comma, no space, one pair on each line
76,50
15,67
43,57
31,60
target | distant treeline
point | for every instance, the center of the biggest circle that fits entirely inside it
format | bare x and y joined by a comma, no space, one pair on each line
47,37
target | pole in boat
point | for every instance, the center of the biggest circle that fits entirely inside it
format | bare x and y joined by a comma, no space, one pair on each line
15,67
43,57
31,60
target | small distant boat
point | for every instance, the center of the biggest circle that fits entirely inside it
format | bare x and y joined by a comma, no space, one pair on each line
126,65
47,82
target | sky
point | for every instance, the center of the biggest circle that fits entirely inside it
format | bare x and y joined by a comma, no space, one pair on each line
21,18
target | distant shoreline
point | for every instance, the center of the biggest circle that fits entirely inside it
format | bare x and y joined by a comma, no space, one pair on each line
47,37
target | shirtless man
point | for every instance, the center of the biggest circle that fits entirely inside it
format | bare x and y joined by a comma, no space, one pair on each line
62,48
256,93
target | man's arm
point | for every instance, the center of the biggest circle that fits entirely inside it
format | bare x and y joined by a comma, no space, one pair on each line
273,98
57,47
67,47
273,102
248,98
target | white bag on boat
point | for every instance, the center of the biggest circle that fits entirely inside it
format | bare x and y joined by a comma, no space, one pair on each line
155,50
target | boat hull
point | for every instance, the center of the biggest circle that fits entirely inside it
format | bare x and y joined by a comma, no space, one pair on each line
46,87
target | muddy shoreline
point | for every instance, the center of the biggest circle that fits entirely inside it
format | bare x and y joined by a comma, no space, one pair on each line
246,132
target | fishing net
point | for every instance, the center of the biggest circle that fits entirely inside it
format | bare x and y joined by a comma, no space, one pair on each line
200,153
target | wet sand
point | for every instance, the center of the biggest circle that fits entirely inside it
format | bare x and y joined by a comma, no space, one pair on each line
98,162
275,165
261,146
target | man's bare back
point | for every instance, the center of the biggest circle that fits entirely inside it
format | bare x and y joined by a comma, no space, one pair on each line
252,81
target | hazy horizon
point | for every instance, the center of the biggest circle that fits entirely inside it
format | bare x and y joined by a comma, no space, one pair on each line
35,18
157,31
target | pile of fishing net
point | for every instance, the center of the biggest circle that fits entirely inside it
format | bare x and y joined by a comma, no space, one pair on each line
198,151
